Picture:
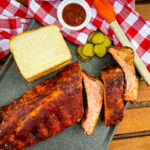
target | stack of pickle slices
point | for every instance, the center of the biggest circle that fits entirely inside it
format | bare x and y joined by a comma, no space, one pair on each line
98,44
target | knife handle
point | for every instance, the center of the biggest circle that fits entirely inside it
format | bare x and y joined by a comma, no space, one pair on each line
125,42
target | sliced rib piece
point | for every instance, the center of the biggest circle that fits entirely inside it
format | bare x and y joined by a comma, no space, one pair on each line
113,91
94,91
43,111
125,58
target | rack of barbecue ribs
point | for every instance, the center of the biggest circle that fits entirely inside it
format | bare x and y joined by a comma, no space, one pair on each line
94,92
125,58
113,90
42,111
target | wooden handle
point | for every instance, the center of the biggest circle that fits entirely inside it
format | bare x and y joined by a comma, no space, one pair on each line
125,42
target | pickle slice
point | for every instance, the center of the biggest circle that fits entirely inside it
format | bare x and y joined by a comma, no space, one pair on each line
98,38
91,36
107,41
88,50
80,52
82,59
100,50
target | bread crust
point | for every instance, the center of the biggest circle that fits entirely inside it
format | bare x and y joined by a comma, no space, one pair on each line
25,32
47,71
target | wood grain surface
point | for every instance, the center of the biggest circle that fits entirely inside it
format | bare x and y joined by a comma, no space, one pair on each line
144,92
144,10
135,120
138,143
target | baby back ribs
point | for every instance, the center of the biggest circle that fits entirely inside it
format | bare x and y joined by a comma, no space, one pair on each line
43,111
113,91
125,58
94,91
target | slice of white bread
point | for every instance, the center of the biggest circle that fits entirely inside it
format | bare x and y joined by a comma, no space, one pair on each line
40,51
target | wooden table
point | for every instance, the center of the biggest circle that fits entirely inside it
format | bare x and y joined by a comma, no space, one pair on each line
134,131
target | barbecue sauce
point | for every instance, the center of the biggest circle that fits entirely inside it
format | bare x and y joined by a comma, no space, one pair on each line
73,14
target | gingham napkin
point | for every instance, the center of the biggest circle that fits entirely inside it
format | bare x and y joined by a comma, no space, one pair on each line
14,19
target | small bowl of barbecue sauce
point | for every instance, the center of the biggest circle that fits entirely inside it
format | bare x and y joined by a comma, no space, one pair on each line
74,15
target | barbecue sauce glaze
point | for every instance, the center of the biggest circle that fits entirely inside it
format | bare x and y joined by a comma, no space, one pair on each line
73,14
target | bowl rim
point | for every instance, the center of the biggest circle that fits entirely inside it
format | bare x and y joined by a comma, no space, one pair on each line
86,7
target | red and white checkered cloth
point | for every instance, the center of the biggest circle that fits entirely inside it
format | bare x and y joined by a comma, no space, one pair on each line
14,18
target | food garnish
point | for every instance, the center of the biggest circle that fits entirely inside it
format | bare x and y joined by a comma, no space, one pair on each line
84,59
98,38
88,50
107,41
80,53
100,50
98,42
81,56
91,36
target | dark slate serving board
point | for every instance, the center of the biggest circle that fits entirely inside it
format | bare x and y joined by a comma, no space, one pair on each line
12,85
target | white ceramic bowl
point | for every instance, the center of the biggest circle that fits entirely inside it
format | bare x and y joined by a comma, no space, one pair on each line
84,4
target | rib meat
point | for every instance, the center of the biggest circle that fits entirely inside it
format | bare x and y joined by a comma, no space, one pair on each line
42,111
94,91
113,91
125,58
